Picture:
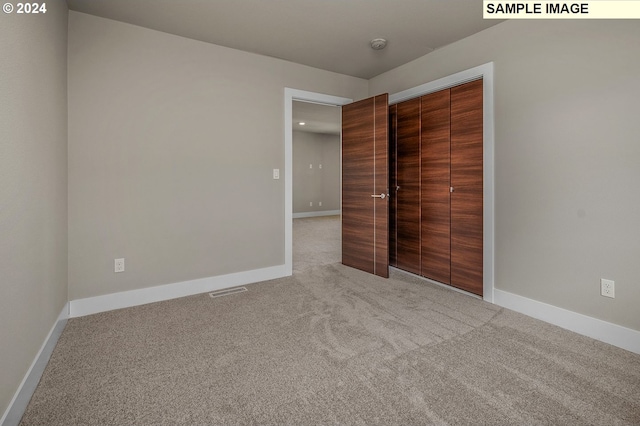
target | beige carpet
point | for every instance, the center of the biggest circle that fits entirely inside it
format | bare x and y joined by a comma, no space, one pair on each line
316,241
332,345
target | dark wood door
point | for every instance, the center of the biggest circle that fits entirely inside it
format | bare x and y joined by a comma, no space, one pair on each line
408,181
435,220
365,180
467,183
393,184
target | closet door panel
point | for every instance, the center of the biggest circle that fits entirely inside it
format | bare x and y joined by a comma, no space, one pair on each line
408,179
435,220
467,182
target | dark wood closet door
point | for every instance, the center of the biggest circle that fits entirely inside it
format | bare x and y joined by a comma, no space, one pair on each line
436,224
467,181
365,179
408,179
393,183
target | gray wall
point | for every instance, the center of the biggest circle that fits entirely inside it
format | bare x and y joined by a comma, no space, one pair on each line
567,156
33,187
314,185
172,143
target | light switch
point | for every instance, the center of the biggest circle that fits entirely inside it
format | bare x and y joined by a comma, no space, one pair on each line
276,173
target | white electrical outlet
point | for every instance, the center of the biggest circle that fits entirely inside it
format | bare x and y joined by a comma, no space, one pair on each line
310,203
319,166
320,204
276,173
311,166
119,265
607,288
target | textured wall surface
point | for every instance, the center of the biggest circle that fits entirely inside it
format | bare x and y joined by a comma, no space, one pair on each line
172,143
33,186
315,184
566,157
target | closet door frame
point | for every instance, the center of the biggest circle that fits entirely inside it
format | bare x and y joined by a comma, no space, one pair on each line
485,72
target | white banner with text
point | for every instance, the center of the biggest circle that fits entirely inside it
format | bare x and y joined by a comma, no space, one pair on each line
595,9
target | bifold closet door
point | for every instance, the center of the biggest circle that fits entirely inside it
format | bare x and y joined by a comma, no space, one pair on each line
365,181
408,186
435,219
467,184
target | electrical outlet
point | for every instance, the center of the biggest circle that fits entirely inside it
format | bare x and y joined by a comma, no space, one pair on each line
607,288
276,173
119,265
310,203
320,204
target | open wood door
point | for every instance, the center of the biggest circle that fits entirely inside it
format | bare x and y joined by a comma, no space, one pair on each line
365,181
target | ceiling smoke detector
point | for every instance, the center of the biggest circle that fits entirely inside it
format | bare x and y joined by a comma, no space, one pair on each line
378,43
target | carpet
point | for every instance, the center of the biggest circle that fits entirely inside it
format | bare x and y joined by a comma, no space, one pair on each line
331,345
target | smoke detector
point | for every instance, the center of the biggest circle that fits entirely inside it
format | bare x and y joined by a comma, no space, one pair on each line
378,43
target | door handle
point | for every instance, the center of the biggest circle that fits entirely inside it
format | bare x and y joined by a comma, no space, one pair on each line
382,196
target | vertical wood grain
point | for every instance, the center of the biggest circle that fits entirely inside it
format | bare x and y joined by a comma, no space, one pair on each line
435,219
365,147
357,183
467,181
393,183
381,171
408,179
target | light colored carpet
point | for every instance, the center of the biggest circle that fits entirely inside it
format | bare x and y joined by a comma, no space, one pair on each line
316,241
332,345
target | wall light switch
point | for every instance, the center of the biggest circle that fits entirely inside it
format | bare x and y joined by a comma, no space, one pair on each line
276,173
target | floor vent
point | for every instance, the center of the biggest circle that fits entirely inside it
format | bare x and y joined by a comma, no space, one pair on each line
227,292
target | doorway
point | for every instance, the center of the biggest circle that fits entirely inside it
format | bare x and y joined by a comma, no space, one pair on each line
292,95
316,185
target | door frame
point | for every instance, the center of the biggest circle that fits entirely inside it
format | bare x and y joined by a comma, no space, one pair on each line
291,95
485,72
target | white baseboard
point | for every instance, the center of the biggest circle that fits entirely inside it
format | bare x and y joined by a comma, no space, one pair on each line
316,214
126,299
616,335
18,405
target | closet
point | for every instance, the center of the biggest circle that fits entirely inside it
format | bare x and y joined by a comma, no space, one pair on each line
436,186
407,173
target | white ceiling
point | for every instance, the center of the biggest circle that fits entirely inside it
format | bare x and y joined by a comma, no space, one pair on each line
329,34
317,118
